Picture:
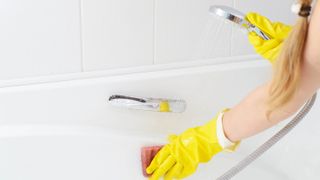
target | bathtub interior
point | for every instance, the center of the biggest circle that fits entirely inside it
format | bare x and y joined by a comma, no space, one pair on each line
66,130
47,152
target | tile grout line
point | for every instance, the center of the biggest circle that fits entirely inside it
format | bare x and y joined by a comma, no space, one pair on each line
81,35
154,32
232,33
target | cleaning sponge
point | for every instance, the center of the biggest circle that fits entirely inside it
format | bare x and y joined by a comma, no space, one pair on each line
147,155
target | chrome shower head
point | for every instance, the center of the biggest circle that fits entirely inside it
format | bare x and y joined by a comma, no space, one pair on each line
228,13
235,16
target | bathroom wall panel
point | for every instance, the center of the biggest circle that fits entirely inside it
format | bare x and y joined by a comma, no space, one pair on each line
184,31
117,33
275,10
39,37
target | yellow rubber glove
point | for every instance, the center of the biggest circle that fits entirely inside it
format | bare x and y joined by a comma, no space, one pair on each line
181,156
277,31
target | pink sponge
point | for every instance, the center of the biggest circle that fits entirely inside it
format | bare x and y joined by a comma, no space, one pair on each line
147,155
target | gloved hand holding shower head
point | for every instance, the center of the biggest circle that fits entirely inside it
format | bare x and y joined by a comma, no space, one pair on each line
266,37
277,31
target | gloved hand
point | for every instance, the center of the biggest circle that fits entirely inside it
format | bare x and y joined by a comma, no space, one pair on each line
277,31
181,156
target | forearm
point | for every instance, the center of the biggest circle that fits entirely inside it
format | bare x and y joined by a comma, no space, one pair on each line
249,116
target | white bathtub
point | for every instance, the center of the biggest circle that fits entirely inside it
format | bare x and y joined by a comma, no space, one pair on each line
66,130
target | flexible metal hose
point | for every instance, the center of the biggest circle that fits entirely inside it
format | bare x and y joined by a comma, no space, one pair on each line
268,144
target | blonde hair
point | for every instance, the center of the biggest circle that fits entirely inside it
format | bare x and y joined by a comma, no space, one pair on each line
287,69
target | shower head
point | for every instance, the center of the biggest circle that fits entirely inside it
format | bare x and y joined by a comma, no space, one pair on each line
228,13
232,15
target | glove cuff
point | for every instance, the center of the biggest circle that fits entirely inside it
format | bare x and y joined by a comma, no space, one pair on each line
224,142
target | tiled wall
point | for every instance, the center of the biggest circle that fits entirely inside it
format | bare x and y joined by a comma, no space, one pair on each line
39,37
117,33
48,37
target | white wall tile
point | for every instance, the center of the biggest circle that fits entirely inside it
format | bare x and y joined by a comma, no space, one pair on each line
186,31
275,10
39,37
117,33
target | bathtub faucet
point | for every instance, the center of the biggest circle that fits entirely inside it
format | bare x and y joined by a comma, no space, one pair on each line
149,104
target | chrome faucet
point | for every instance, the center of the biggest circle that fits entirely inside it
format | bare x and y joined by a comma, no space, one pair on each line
149,104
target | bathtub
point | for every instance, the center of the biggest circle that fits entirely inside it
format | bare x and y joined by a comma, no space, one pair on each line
66,129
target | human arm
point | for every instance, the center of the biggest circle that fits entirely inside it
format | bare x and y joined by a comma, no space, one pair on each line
249,116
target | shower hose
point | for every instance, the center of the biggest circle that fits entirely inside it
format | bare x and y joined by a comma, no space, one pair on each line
269,143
